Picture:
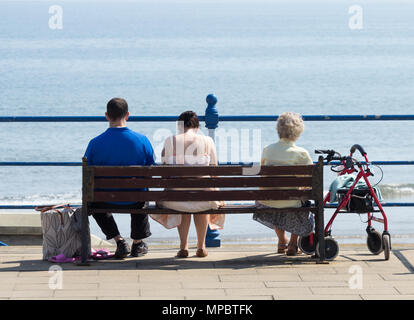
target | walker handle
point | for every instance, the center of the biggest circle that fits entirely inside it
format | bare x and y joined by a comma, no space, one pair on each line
359,148
330,154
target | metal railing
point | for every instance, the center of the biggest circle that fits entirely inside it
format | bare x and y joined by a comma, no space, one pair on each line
211,118
245,118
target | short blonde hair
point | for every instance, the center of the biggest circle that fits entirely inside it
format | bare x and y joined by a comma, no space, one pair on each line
290,126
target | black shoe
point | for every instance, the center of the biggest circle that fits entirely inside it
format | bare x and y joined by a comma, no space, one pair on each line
139,249
122,249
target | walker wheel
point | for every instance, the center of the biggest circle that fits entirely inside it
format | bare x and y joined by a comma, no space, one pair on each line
331,249
386,245
374,242
305,244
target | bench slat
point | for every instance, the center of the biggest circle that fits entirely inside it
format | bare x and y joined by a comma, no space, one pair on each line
202,195
145,171
188,182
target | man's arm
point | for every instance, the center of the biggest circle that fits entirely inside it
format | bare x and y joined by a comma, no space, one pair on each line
88,153
149,153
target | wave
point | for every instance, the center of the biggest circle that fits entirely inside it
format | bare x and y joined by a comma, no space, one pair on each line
393,190
42,199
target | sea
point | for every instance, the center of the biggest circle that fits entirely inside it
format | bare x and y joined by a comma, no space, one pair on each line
259,57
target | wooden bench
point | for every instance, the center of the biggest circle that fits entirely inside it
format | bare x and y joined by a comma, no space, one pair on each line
236,183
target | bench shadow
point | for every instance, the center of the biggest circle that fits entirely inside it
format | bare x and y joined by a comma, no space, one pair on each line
165,263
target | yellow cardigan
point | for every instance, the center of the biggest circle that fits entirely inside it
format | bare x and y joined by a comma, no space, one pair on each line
284,153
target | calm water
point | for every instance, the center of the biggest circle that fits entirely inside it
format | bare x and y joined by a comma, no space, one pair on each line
164,57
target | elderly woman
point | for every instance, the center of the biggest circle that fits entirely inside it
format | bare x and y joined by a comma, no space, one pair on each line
284,152
189,147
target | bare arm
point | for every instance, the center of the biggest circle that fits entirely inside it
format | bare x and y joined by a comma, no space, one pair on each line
213,152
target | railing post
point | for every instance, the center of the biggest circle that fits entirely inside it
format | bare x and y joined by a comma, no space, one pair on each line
212,120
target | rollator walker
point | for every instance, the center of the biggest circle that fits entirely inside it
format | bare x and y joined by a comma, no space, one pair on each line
352,200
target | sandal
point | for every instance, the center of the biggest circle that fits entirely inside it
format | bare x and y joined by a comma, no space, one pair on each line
292,251
102,254
182,253
61,258
201,253
281,248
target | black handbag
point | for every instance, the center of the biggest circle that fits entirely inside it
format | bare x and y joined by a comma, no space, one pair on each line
361,200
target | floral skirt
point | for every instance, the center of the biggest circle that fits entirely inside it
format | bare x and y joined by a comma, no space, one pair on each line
298,223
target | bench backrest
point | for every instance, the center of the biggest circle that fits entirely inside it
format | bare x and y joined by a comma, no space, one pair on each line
236,183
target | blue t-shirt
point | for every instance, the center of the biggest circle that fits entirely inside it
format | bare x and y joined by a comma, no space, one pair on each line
120,147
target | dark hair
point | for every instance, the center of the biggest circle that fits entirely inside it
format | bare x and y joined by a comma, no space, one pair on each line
117,108
190,120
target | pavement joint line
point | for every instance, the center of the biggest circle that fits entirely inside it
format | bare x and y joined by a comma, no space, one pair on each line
399,292
349,258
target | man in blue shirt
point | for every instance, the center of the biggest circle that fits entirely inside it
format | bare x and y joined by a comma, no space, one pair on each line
120,146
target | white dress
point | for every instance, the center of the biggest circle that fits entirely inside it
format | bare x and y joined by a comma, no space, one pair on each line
169,221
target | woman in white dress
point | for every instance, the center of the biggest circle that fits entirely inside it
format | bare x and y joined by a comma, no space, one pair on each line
189,147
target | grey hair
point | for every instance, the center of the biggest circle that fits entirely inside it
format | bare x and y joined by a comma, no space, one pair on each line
290,126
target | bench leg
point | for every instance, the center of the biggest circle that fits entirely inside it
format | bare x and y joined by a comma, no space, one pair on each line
84,237
320,231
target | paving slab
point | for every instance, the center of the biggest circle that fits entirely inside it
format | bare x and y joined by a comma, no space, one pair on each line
234,297
217,293
168,297
298,291
347,290
45,286
336,277
406,290
261,277
321,297
224,285
308,284
386,297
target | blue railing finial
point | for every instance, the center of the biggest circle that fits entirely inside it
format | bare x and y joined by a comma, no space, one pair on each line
211,116
211,99
212,120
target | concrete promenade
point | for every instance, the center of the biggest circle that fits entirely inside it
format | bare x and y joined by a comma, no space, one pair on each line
231,272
